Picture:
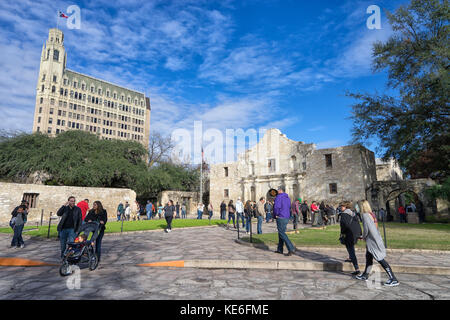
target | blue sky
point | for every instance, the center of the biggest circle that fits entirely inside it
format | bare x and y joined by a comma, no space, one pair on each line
231,64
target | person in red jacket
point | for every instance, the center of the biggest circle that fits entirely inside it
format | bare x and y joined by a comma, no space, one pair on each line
402,214
84,206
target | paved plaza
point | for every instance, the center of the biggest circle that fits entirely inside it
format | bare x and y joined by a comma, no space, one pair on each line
119,276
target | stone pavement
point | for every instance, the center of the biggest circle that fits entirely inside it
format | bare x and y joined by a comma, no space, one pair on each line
119,277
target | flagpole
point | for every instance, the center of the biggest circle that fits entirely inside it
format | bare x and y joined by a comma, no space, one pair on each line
201,178
57,20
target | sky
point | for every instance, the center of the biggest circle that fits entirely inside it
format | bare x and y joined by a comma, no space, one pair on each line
230,64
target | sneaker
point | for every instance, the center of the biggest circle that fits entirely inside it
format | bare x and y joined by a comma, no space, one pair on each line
392,283
22,246
276,251
165,230
290,253
355,273
348,260
363,276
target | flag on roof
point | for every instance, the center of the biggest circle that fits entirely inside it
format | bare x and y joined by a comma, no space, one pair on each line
62,15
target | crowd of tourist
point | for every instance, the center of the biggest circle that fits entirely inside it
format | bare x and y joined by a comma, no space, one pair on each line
279,209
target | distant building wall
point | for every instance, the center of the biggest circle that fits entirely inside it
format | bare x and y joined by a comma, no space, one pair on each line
51,198
188,198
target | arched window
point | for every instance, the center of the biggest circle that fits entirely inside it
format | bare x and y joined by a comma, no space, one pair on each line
55,55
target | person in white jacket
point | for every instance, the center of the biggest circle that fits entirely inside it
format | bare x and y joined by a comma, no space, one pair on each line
127,212
240,211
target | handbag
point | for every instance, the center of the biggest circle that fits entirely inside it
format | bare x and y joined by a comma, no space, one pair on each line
12,222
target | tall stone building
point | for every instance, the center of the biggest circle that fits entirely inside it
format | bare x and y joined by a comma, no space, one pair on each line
69,100
333,175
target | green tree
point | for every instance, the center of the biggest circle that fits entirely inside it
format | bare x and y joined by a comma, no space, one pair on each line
413,125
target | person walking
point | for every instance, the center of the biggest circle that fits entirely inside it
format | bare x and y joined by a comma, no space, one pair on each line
323,219
402,214
183,211
281,211
99,214
260,214
120,211
314,214
374,245
350,232
200,211
248,212
127,214
231,214
160,209
84,206
17,222
69,224
295,213
268,208
223,210
210,211
304,208
177,210
149,209
240,212
169,211
381,214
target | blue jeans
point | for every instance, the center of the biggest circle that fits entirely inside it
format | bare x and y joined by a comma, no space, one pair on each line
98,244
223,215
66,235
240,215
17,237
248,221
282,236
199,214
149,215
210,214
268,216
259,225
183,214
231,216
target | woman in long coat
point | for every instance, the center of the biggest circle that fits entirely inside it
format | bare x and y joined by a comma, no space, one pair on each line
374,245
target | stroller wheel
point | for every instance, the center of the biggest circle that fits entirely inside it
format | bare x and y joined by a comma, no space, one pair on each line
65,269
93,261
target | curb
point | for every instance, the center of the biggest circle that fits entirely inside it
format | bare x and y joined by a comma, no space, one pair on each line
339,266
264,246
289,265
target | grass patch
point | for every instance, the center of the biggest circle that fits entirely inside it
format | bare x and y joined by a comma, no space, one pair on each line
399,236
115,226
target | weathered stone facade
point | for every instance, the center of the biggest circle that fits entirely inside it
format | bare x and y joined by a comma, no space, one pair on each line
388,170
332,175
51,198
188,198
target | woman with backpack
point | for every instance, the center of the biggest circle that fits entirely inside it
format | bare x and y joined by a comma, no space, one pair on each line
374,245
17,222
350,232
231,214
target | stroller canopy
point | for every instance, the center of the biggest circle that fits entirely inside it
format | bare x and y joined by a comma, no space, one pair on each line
89,227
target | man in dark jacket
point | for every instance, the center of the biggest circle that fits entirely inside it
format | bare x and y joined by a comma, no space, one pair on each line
69,224
281,210
304,208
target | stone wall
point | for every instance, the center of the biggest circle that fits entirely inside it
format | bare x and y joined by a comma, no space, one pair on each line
300,167
388,171
51,198
189,198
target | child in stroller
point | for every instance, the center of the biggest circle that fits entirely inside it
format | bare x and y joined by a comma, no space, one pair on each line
81,250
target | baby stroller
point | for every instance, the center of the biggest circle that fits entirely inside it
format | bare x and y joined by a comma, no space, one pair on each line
81,251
